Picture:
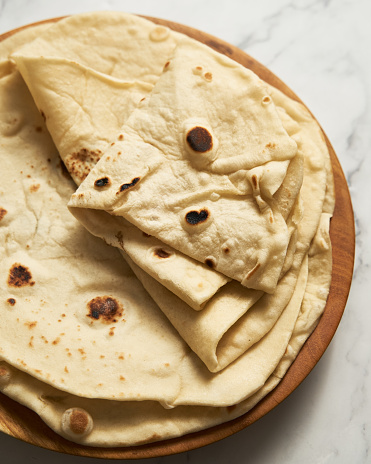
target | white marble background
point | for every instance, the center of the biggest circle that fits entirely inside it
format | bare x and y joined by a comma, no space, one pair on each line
321,49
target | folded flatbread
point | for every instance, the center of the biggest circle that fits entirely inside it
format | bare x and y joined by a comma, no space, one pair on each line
199,175
85,97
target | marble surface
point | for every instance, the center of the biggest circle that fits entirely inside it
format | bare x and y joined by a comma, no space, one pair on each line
320,48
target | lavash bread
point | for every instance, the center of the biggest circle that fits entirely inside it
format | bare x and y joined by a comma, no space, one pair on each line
217,348
205,169
86,97
133,422
232,331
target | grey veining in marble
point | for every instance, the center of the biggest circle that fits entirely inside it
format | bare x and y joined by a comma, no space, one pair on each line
321,49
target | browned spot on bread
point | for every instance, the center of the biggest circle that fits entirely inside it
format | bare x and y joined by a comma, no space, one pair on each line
121,137
161,253
208,76
105,308
129,185
38,129
111,333
11,301
255,181
210,262
66,369
31,325
270,145
2,213
19,276
43,115
79,421
166,65
34,188
196,217
122,377
56,341
226,250
199,139
102,182
80,163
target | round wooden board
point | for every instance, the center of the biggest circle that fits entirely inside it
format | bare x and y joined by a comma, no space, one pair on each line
22,423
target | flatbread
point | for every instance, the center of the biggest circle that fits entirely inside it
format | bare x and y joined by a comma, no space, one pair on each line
201,208
85,98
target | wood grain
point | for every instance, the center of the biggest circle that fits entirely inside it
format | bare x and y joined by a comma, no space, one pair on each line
22,423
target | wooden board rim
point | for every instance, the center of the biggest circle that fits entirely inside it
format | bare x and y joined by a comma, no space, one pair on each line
22,423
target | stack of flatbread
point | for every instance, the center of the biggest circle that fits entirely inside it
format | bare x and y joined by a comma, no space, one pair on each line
164,230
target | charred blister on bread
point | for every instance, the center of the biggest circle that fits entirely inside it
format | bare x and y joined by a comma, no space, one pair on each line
199,139
105,309
102,182
20,276
127,186
162,253
196,217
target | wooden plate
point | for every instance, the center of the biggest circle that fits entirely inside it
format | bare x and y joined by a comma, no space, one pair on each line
22,423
